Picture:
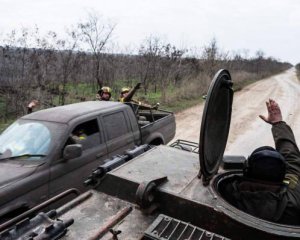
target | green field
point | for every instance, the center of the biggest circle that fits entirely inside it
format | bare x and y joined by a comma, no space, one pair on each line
174,101
76,92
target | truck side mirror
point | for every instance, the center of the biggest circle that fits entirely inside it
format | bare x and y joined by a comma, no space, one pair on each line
72,151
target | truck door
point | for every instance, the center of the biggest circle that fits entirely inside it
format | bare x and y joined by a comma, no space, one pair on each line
65,174
119,136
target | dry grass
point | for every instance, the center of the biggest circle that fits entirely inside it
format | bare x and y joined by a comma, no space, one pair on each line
242,78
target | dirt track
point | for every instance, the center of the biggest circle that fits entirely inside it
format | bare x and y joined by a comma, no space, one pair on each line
247,130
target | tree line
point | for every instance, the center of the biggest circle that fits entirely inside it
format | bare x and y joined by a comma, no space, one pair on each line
46,66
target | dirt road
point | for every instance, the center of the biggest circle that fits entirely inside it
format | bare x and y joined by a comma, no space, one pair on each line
247,130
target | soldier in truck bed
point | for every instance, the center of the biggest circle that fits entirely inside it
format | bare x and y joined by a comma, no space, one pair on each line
127,93
127,96
270,188
104,94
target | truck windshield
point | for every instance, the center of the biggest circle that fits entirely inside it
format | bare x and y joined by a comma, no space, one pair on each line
30,140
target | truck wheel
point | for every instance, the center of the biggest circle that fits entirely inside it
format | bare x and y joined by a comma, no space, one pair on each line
156,142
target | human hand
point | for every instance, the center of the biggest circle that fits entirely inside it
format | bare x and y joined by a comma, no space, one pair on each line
274,112
33,104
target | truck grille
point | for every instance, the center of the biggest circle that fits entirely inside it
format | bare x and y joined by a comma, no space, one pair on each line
165,227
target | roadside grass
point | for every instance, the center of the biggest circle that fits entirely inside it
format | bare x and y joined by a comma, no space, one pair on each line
243,79
180,105
240,85
174,102
82,90
176,105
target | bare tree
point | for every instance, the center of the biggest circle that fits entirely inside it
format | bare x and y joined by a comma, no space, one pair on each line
210,56
96,33
149,53
170,67
160,64
259,57
67,61
44,66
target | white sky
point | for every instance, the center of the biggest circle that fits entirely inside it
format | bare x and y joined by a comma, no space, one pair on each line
269,25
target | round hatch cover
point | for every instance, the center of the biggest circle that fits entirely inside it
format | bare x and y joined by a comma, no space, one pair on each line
215,124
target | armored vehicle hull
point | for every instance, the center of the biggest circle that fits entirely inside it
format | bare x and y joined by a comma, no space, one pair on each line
182,196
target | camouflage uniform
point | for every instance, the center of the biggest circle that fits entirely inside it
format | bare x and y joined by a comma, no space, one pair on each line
129,98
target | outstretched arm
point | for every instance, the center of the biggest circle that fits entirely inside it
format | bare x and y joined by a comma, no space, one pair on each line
283,136
274,112
131,93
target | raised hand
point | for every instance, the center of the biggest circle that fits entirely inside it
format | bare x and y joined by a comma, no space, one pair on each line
33,104
274,112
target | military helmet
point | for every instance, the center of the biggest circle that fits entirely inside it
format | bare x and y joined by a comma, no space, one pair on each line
125,89
106,90
266,164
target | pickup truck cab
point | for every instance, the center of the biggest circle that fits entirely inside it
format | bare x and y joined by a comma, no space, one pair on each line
49,151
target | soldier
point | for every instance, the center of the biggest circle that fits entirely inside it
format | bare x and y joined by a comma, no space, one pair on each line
78,135
269,187
104,94
127,93
127,96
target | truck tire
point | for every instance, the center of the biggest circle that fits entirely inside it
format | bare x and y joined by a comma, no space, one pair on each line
156,142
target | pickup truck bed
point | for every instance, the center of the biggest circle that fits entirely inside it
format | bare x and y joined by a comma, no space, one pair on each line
156,126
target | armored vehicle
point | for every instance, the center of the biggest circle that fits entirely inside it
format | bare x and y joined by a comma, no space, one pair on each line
161,193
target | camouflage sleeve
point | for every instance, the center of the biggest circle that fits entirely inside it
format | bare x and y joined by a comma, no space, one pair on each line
286,144
131,93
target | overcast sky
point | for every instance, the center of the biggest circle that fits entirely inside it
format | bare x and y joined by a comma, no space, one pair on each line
269,25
